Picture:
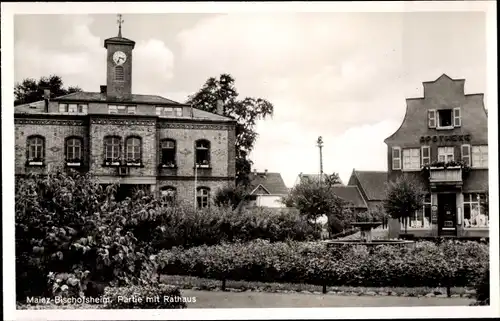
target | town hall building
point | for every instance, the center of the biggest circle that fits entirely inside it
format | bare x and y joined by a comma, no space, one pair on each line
443,144
138,141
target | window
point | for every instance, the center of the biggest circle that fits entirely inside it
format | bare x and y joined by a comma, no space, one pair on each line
35,150
73,108
133,147
426,155
445,118
202,197
475,212
121,109
445,154
112,146
457,117
431,114
396,158
167,153
119,73
202,153
466,154
422,217
411,158
168,194
74,150
480,156
169,111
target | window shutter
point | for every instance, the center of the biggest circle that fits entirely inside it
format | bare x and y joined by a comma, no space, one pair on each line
432,118
426,155
396,158
457,117
466,154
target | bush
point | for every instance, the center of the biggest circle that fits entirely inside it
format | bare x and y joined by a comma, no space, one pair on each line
295,262
482,288
146,297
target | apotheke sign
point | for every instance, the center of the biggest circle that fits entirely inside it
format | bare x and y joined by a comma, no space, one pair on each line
445,138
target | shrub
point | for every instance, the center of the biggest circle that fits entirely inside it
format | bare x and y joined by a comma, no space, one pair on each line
297,262
159,296
482,288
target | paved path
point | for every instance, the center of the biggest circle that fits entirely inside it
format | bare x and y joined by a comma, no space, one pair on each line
209,299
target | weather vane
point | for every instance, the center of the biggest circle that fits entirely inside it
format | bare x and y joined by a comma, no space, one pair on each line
120,21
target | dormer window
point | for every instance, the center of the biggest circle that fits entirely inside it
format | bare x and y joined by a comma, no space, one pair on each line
121,109
169,111
73,108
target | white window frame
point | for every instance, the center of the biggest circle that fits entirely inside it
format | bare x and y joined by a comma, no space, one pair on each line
414,217
399,159
473,199
457,119
445,154
467,159
131,110
438,126
74,147
63,108
112,109
72,108
83,108
425,160
483,152
133,147
204,194
408,154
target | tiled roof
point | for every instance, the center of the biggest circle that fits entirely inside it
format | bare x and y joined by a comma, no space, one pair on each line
98,97
372,183
350,194
272,182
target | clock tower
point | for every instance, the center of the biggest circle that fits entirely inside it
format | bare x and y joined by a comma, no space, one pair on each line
119,66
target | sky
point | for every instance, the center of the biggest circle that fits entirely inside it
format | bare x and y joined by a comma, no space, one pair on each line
340,75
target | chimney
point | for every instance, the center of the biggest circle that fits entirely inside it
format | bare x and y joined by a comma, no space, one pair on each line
265,172
46,98
220,107
104,89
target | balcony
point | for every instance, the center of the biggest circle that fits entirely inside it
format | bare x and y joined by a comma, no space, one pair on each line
445,176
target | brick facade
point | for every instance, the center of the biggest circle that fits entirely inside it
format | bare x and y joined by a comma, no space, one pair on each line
96,122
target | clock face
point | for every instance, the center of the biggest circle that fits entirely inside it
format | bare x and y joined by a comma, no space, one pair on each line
119,57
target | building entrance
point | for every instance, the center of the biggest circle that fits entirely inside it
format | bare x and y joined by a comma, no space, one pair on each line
447,215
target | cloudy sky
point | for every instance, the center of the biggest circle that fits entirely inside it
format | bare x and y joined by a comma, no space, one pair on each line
343,76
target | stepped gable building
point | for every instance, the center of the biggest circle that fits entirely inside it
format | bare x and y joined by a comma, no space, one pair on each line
443,143
139,141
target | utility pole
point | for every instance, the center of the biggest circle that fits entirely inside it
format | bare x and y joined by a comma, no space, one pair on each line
320,145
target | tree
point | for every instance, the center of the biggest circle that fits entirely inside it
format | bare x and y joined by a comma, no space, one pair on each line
404,197
245,111
30,90
314,198
229,196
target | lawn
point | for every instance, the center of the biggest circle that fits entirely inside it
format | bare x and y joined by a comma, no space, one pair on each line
208,299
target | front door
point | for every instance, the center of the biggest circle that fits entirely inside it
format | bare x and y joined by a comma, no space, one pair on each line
447,216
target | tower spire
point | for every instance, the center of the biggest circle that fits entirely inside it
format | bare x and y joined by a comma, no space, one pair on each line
120,21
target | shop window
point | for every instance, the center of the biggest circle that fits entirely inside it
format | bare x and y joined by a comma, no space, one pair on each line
475,210
422,217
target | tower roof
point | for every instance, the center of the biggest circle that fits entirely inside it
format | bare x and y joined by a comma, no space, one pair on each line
118,41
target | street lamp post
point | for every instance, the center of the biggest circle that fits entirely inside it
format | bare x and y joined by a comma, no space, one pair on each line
320,145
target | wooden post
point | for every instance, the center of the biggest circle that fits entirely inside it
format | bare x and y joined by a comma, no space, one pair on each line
324,288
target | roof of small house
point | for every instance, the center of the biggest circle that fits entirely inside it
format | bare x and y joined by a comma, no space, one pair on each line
350,194
267,183
372,183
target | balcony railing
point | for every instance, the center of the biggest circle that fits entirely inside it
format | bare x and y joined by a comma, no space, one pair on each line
448,175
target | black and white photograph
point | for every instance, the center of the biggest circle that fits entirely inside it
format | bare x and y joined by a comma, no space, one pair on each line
229,160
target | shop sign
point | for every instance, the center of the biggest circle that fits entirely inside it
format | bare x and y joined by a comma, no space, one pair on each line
445,138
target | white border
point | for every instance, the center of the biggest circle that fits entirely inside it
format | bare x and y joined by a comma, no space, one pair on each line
9,9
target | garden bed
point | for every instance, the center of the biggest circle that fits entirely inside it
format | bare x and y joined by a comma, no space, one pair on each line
203,284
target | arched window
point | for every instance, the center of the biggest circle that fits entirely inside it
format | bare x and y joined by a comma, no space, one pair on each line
112,147
167,153
119,73
133,150
202,155
203,197
168,194
35,149
74,149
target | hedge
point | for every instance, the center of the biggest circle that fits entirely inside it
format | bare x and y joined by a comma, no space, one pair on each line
447,264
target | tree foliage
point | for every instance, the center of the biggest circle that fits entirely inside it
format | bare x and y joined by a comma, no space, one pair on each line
245,111
31,90
229,196
404,197
314,198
